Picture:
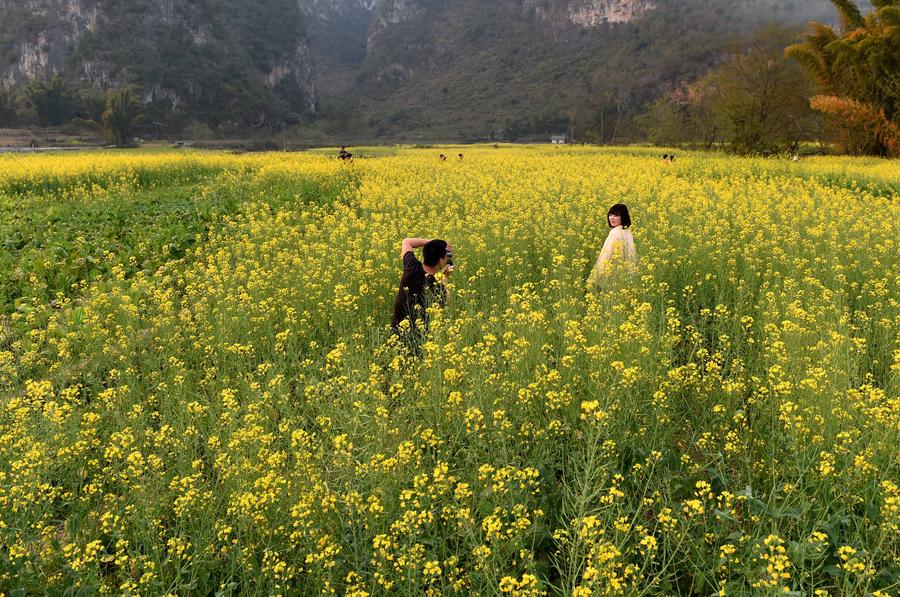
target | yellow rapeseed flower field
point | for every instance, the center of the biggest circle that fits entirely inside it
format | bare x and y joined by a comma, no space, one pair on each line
200,393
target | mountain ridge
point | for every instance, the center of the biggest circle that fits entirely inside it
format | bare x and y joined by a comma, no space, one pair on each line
381,66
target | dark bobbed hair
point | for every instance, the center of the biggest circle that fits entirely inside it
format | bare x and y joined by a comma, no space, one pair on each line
621,210
434,251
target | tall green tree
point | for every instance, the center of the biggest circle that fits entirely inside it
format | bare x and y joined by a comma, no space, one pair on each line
858,74
7,107
849,14
52,101
91,103
121,118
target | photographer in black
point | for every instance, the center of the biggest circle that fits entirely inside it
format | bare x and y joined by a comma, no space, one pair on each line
419,289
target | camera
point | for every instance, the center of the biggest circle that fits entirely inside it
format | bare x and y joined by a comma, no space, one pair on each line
450,258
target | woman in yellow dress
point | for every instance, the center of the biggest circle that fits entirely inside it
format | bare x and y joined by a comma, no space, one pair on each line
618,258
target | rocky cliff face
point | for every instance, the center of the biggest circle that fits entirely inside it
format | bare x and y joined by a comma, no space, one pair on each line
383,16
51,44
327,9
390,13
181,54
42,50
295,70
591,13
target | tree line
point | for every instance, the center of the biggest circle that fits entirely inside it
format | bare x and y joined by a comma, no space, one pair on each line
770,95
116,114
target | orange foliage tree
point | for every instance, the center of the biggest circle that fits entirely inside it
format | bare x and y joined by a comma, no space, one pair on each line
858,71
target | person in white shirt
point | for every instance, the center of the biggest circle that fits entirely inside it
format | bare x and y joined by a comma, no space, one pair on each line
618,258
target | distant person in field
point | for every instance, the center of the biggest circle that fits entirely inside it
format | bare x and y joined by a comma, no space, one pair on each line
442,158
460,157
344,155
666,157
419,287
618,257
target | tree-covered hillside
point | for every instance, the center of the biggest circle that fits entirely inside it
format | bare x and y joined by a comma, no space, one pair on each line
465,69
226,63
472,69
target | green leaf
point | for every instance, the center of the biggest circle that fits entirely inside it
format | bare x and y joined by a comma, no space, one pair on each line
724,514
789,513
797,552
699,583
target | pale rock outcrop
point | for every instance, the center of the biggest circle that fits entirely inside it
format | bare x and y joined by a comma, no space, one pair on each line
390,13
298,69
591,13
45,53
327,9
564,14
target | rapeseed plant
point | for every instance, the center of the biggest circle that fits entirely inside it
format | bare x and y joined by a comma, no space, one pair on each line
230,414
